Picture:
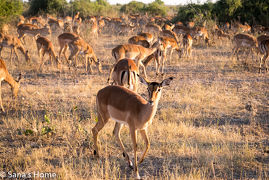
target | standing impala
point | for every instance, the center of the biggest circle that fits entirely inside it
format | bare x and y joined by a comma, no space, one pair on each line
44,45
264,49
125,72
244,40
135,52
64,39
127,107
80,46
4,75
187,45
13,43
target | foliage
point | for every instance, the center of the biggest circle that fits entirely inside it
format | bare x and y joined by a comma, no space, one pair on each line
250,11
156,8
47,6
10,9
195,12
133,7
88,8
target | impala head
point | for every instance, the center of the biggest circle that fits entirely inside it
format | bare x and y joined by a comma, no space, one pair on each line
155,88
16,87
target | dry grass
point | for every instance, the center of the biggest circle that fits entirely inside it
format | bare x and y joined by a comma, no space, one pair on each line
202,129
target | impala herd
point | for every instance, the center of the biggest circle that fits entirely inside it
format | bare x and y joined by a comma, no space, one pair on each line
152,43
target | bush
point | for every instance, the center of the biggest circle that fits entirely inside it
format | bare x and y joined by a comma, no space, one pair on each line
10,9
133,7
47,7
88,8
156,8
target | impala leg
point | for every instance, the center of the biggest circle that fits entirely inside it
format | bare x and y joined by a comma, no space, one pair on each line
90,61
1,48
145,138
134,137
170,55
163,61
16,53
263,62
144,68
64,52
95,130
157,61
1,103
116,133
42,59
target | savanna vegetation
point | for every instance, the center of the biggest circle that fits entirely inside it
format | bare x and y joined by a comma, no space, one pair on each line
211,123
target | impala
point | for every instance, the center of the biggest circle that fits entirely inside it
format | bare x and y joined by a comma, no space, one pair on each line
170,33
37,21
170,43
139,40
64,39
32,30
127,107
187,44
124,72
202,32
221,34
264,49
153,28
135,52
147,36
13,43
156,56
44,46
244,40
4,75
80,46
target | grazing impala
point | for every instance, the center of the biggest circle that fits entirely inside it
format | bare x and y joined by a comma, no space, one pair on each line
32,30
44,46
64,39
14,43
80,46
140,40
127,107
187,45
171,34
156,56
244,40
135,52
264,49
4,75
124,72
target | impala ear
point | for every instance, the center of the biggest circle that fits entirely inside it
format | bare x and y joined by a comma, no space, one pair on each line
166,82
142,80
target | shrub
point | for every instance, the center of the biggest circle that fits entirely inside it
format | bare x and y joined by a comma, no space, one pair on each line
10,9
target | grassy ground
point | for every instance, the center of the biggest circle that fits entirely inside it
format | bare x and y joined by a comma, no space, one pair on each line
212,123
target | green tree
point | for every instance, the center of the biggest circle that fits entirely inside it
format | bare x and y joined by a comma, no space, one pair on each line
10,9
156,8
47,6
133,7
